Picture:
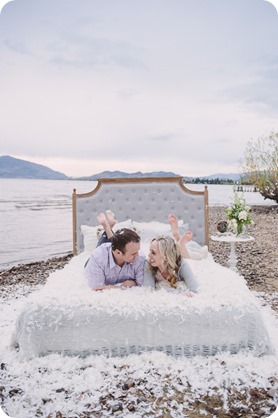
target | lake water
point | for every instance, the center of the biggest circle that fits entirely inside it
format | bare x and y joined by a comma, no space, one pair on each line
36,216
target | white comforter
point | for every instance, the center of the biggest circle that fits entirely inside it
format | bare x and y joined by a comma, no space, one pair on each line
66,316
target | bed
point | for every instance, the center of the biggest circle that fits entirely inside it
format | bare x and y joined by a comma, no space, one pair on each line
66,317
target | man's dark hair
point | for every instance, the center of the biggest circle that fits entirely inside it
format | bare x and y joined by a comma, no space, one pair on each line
122,237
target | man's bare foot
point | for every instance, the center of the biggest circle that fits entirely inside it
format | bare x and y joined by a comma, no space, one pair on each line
110,218
186,237
102,220
173,221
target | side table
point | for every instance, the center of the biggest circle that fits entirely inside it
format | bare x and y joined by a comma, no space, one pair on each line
232,239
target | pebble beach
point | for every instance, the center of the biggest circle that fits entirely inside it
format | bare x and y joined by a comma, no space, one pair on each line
257,262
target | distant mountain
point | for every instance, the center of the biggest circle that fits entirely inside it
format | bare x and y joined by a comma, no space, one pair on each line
139,174
220,176
226,176
121,174
11,167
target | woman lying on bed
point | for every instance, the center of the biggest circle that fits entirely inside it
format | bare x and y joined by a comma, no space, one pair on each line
166,268
166,265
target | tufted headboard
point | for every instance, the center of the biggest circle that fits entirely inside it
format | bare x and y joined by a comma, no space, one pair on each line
141,200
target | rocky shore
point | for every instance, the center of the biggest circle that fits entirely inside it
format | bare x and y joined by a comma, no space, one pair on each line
257,262
31,274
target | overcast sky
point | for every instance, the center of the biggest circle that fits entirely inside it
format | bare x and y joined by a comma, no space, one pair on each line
172,85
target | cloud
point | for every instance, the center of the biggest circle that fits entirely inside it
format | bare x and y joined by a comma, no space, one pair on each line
17,46
168,84
166,137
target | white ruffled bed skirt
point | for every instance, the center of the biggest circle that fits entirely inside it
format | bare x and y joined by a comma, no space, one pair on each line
82,331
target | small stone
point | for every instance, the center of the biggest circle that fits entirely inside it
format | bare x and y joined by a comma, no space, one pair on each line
133,391
15,391
46,400
141,398
96,408
128,384
118,394
131,407
60,390
272,393
117,407
256,393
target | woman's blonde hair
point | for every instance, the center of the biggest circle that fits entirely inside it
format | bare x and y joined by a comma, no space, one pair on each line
171,255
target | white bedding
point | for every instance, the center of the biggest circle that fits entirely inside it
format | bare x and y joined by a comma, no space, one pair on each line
65,316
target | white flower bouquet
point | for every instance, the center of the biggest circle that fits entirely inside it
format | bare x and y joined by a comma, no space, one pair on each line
238,214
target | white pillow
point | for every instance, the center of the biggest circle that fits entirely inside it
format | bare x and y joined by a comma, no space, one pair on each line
150,230
125,224
92,234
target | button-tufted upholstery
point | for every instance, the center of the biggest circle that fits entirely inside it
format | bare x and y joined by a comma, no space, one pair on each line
142,200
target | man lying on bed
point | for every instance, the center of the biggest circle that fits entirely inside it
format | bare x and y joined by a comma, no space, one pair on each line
116,262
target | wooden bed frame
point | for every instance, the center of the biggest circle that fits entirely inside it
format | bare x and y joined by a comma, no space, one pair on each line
142,200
